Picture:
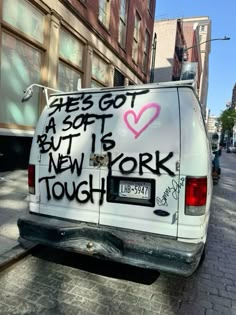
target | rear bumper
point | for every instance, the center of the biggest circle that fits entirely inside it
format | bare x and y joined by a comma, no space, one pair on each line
135,248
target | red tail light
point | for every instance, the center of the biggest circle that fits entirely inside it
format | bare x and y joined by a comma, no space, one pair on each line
31,178
196,191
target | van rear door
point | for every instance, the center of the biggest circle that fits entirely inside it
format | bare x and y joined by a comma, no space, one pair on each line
111,157
142,177
68,182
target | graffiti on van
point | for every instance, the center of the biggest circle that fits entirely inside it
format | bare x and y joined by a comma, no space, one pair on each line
84,102
70,118
171,191
82,192
136,118
141,164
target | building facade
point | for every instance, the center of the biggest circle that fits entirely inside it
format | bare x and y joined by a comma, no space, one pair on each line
192,64
183,56
213,124
169,50
66,44
203,26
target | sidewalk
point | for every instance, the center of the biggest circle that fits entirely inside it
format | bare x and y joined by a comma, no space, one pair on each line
13,204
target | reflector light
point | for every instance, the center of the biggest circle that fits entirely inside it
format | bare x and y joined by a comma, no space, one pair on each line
31,178
196,191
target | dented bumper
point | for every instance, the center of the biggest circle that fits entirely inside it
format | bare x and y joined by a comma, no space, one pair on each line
131,247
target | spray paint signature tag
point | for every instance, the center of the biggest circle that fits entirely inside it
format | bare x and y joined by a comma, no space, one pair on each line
132,125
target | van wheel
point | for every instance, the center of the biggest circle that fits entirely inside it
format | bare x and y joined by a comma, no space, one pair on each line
203,256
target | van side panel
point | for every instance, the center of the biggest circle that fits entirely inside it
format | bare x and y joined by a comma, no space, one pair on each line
34,199
195,162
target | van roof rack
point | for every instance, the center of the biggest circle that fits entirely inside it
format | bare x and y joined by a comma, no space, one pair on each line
190,83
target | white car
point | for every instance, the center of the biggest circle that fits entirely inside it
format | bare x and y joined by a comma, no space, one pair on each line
232,149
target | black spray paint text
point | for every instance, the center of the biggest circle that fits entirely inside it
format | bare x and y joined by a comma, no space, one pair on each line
75,122
50,143
82,192
126,164
85,102
172,190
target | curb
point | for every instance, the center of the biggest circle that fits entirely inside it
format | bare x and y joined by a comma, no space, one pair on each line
15,254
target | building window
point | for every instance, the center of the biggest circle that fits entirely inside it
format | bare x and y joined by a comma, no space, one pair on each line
146,51
136,38
104,12
22,52
71,62
68,78
70,48
119,78
25,18
122,24
99,72
20,67
95,84
202,28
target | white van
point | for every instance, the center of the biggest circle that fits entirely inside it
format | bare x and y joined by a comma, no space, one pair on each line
122,174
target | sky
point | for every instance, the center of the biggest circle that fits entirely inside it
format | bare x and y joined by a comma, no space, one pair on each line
222,58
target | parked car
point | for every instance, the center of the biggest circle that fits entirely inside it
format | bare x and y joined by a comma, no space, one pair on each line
232,149
123,174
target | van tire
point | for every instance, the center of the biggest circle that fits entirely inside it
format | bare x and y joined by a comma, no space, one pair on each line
203,256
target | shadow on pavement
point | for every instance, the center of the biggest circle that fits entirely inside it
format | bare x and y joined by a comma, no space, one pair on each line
97,266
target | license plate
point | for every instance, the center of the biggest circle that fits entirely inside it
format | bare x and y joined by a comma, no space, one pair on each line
138,190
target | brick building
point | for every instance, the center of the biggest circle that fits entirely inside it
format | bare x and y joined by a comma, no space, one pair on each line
192,54
202,26
169,50
183,53
64,44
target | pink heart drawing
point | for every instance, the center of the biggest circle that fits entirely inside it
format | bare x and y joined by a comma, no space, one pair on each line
137,133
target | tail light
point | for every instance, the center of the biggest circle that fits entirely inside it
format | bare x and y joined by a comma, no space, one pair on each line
31,178
195,195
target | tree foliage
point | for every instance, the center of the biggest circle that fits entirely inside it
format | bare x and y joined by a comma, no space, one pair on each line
227,119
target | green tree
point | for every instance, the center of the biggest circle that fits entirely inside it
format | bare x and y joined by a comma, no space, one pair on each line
227,119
